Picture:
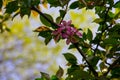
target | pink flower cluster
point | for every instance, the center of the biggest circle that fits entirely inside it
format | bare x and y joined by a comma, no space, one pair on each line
66,31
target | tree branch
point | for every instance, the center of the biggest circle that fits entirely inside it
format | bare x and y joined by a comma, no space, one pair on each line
89,65
76,45
37,10
111,66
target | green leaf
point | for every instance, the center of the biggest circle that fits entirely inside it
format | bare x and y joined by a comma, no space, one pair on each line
111,14
48,39
74,5
89,35
45,75
25,11
44,21
111,41
47,35
54,77
60,72
39,79
70,58
12,7
54,3
115,72
35,2
117,4
94,60
58,19
62,13
71,46
114,32
75,73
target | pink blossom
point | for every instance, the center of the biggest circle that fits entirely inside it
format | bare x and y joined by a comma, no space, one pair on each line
66,31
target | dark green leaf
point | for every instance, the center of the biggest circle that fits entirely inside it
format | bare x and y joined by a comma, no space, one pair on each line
114,32
111,41
116,72
70,58
46,35
74,5
35,2
89,35
39,79
62,13
75,73
44,21
71,46
12,7
117,4
97,38
25,11
94,60
1,3
58,19
48,39
54,3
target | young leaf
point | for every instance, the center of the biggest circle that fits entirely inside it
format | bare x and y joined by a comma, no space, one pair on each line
45,75
70,58
60,72
44,21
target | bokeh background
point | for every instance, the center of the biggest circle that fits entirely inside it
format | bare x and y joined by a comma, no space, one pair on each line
23,54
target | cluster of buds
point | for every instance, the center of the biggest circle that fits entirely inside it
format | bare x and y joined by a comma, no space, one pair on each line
66,31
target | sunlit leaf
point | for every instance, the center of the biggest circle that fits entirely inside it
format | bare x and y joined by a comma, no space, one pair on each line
42,28
35,14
